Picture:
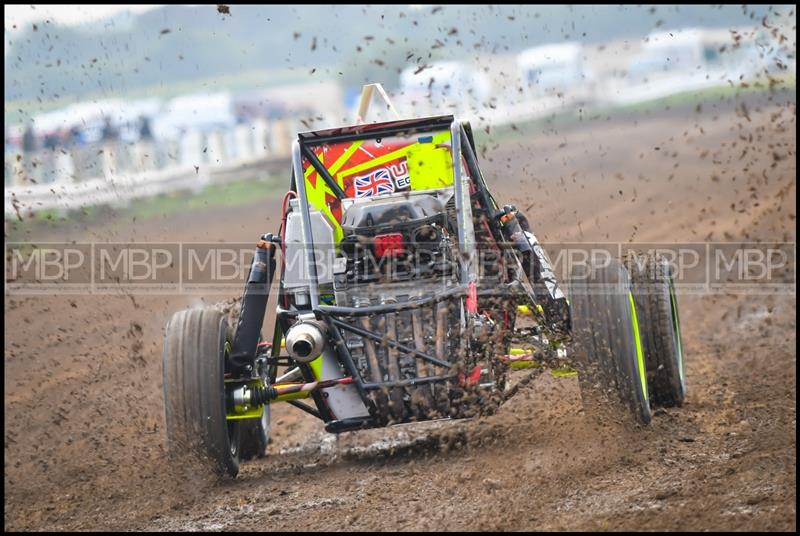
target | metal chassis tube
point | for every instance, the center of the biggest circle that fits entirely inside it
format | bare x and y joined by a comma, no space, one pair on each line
301,148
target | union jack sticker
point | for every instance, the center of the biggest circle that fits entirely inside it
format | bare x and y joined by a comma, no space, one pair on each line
375,183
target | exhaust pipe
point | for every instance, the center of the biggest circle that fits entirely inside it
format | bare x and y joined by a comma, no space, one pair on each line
305,341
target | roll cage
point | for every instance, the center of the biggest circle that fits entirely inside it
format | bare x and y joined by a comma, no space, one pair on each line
472,201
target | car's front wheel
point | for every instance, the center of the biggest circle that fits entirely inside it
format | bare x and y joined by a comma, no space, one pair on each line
195,354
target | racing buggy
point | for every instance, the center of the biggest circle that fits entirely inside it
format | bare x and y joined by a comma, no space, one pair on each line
402,286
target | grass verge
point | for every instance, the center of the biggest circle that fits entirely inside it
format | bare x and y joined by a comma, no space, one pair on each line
213,195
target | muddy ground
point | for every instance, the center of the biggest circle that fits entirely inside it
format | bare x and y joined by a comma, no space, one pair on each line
84,426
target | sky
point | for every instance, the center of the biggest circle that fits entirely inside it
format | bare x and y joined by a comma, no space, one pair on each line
21,15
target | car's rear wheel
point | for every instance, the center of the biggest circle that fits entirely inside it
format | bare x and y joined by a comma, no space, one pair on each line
657,307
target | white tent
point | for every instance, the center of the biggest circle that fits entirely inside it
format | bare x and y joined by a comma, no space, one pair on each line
202,111
552,68
445,79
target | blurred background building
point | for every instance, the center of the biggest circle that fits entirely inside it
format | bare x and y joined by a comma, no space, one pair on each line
159,123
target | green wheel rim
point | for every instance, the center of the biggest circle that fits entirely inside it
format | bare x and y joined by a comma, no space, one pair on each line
639,352
677,323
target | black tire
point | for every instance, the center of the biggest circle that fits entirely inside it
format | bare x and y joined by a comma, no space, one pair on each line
195,351
608,348
254,436
657,308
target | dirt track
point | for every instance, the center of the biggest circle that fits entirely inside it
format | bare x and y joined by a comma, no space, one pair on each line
84,439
